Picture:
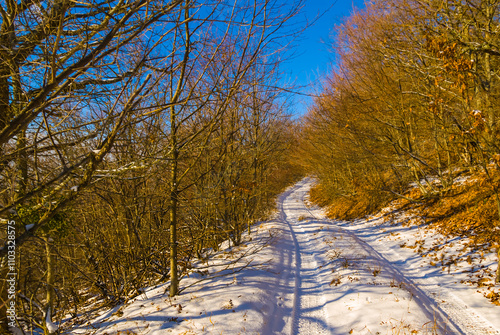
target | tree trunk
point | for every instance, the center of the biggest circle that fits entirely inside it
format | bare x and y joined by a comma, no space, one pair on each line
174,202
174,155
50,288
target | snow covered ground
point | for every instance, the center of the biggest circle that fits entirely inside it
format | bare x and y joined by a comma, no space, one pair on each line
304,274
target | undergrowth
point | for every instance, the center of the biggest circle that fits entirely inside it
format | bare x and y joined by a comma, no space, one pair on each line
466,209
363,202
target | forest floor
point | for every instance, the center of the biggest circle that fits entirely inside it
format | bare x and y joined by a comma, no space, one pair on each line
301,273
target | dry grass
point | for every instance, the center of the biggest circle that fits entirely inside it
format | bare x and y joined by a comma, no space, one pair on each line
363,202
466,209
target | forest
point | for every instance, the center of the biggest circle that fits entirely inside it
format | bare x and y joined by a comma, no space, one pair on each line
409,112
136,136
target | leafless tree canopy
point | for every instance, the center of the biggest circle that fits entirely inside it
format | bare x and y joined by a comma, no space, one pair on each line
134,135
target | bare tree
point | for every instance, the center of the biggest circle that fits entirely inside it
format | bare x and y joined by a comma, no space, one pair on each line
69,82
98,100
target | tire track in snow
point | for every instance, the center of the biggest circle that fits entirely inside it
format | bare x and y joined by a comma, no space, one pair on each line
428,304
457,311
307,311
453,315
297,265
309,315
289,276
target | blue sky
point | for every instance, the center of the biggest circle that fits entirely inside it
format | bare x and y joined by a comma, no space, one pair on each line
312,57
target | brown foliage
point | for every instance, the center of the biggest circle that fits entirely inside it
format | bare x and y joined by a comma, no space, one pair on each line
466,209
413,95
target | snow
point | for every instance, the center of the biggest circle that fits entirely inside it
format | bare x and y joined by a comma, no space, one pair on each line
51,327
301,273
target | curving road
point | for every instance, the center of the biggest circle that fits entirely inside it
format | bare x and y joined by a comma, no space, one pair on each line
330,281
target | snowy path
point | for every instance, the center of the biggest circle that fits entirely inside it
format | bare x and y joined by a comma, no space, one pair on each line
308,315
302,273
308,293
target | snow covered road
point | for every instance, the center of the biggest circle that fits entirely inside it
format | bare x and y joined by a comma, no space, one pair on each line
332,281
302,273
308,315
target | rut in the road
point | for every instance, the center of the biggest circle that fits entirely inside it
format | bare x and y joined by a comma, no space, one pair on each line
309,294
309,316
299,273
